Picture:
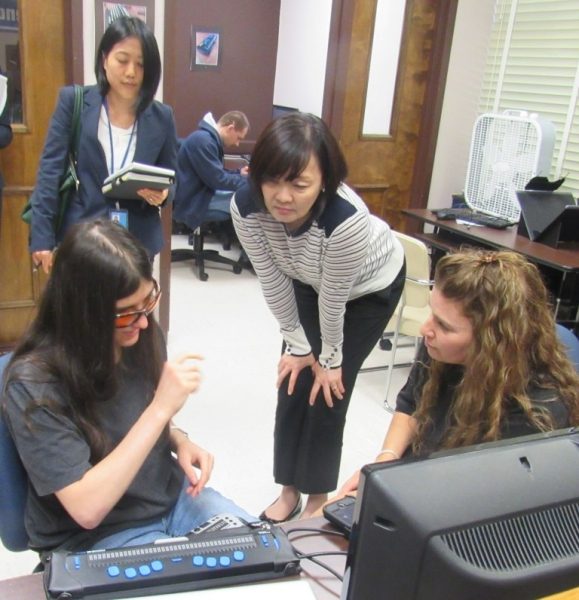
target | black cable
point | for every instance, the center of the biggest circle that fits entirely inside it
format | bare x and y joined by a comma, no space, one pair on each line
313,557
315,530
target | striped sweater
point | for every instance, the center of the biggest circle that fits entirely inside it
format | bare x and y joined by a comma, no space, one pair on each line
343,254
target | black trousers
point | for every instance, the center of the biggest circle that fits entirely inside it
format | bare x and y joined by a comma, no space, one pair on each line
308,439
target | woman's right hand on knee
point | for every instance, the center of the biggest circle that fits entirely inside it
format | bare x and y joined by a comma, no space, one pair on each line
178,379
291,366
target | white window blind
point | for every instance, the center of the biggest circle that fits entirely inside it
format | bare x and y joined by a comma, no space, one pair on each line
533,65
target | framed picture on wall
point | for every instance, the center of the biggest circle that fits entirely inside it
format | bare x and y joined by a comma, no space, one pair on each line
205,48
107,11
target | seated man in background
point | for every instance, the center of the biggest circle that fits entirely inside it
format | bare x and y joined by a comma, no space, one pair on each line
203,182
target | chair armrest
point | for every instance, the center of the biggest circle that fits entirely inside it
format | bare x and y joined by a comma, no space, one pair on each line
427,282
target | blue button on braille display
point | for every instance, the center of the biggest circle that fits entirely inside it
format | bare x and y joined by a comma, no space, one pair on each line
198,561
211,561
130,573
113,571
157,565
264,540
177,559
76,562
224,561
145,570
238,555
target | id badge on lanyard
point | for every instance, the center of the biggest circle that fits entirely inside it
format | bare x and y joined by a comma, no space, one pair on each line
119,215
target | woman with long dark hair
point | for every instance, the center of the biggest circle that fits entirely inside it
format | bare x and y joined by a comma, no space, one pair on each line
89,399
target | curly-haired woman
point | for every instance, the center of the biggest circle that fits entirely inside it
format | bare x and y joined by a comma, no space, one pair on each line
491,365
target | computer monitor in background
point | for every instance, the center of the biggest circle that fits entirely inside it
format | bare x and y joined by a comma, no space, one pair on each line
279,110
566,228
542,215
497,521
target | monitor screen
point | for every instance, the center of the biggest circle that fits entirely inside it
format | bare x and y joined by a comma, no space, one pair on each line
279,110
540,210
495,521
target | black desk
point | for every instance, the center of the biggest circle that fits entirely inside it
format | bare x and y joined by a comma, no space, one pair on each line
559,267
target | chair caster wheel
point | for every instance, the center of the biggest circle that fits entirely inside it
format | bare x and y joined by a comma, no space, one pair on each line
385,344
203,276
237,269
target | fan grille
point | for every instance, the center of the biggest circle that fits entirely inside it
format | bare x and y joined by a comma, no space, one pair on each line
505,154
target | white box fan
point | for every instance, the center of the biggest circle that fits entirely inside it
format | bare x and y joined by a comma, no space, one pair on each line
506,151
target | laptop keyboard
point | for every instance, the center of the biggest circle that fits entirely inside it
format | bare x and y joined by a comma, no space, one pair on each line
471,216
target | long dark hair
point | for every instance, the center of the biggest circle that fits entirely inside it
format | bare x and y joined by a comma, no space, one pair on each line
283,151
72,337
116,32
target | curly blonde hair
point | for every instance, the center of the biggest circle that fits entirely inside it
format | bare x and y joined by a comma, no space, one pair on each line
514,345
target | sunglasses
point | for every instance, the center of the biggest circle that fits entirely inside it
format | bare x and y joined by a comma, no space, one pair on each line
130,318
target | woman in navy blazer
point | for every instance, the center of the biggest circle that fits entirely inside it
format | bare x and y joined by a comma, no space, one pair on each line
120,123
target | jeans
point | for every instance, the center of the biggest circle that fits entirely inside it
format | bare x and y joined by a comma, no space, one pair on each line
187,514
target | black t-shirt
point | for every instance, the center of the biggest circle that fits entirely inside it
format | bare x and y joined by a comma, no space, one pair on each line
514,424
56,454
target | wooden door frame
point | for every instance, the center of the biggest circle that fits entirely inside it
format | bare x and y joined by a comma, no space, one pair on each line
336,72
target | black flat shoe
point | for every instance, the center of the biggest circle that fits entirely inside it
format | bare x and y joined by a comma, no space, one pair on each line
294,513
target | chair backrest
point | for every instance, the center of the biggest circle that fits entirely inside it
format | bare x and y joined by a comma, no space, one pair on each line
418,283
571,342
13,486
235,161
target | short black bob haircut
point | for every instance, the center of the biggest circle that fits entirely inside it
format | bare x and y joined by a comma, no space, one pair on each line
117,31
283,151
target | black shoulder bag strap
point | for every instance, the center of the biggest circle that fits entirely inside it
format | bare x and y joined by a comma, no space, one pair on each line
70,179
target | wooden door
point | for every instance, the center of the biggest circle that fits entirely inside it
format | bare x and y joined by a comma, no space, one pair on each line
243,79
42,43
390,172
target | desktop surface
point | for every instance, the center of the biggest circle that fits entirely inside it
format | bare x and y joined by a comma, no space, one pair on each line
324,585
500,239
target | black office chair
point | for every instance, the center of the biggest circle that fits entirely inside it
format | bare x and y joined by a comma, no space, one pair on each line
216,223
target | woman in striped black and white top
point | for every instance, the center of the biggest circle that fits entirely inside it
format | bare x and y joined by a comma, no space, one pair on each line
332,275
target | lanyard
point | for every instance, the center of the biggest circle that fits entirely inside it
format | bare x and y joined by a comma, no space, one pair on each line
111,139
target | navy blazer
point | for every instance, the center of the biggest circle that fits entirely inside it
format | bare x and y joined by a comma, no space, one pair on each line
156,145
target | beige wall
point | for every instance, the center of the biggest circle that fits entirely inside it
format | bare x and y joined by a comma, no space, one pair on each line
459,110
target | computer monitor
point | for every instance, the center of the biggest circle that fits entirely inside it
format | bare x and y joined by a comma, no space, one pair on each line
564,231
279,110
497,521
544,214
